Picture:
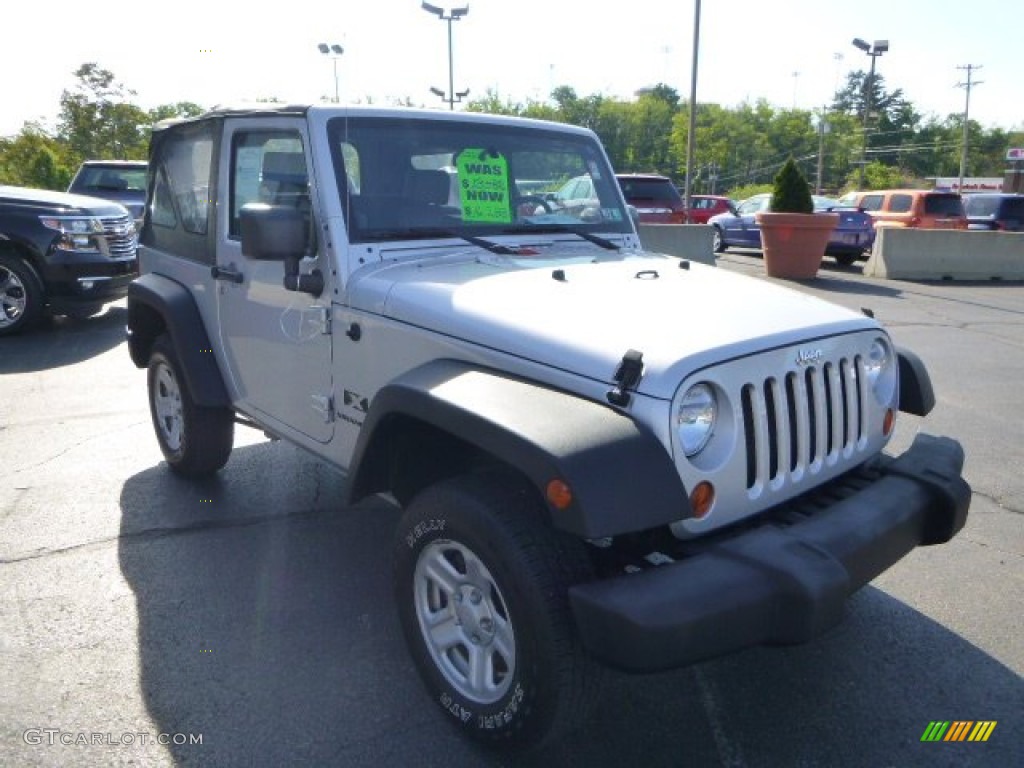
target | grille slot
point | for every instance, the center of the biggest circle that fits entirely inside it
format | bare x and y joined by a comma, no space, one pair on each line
119,232
804,420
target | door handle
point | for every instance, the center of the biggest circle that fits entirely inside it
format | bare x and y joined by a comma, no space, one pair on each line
226,273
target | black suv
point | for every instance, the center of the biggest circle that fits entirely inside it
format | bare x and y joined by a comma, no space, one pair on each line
995,210
60,253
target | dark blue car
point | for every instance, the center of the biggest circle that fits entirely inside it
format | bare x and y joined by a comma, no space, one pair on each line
851,240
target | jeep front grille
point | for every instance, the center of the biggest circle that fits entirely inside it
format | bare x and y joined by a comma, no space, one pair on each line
803,420
120,235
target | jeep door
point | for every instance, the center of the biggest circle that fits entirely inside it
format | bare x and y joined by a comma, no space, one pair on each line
275,341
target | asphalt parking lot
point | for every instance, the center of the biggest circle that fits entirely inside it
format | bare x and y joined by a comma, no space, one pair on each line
254,613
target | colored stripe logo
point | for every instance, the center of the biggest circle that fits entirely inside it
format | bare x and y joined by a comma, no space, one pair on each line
958,730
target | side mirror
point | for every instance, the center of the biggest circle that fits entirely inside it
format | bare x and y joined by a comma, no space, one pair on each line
272,232
634,214
279,233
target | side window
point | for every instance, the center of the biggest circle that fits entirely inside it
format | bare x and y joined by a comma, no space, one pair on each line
871,202
267,167
185,168
180,210
163,203
900,203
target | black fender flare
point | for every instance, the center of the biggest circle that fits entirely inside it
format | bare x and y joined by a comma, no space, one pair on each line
157,303
621,477
916,394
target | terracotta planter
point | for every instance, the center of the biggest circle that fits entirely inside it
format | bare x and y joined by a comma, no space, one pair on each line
794,243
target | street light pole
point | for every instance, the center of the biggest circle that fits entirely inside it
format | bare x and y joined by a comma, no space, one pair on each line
880,47
334,51
453,15
692,128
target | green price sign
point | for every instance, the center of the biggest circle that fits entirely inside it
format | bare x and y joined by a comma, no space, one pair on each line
483,186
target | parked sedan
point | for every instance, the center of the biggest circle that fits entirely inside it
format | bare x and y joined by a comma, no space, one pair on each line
851,240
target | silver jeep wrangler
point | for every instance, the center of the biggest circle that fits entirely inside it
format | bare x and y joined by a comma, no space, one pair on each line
605,456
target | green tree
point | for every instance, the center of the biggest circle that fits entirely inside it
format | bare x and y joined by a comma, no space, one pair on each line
790,193
34,159
97,119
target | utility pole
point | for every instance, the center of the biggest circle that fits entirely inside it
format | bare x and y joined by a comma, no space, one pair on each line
822,130
967,108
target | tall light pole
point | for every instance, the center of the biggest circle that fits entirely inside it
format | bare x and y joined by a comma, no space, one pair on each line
880,47
692,128
453,15
967,108
455,97
334,51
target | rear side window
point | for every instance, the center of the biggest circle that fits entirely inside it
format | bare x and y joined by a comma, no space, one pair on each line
981,206
179,216
943,205
900,203
871,202
653,190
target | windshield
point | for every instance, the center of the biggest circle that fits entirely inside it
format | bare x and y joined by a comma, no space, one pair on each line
110,178
405,179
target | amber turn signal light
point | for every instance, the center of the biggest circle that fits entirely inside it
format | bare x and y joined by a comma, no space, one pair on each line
701,499
559,494
888,421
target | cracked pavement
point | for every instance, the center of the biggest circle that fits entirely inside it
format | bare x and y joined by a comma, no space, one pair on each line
254,610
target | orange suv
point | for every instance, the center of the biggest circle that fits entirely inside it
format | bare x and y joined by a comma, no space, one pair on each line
922,208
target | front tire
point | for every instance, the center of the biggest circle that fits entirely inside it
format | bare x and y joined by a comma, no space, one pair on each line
21,295
717,244
195,441
481,583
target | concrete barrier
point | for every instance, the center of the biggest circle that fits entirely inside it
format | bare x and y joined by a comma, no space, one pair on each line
688,241
943,254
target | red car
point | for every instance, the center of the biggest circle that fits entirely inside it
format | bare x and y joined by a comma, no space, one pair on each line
703,207
655,198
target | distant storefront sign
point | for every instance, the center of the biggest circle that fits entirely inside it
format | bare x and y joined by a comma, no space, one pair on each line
971,184
1015,153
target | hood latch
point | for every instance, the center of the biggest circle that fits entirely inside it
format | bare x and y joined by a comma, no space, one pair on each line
627,376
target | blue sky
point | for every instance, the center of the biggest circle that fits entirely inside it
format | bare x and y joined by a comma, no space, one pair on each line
213,53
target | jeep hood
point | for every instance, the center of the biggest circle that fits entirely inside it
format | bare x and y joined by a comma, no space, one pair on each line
582,316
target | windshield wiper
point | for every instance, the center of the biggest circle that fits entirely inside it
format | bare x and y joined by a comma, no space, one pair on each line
421,233
605,243
480,242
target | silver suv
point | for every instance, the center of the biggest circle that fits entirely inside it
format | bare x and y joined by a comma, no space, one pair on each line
605,456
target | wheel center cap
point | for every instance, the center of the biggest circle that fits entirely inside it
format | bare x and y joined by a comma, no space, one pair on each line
474,615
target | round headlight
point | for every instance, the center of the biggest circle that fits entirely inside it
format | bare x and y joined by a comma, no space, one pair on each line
880,370
695,421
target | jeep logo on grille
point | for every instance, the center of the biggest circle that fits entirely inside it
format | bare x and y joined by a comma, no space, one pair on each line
808,356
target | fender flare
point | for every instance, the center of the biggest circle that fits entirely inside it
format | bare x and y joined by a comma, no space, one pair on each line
622,478
916,394
157,303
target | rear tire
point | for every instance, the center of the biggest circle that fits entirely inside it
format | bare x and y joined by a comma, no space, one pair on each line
21,295
481,585
195,441
845,259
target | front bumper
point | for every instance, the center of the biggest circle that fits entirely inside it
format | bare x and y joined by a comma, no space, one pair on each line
776,583
76,280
